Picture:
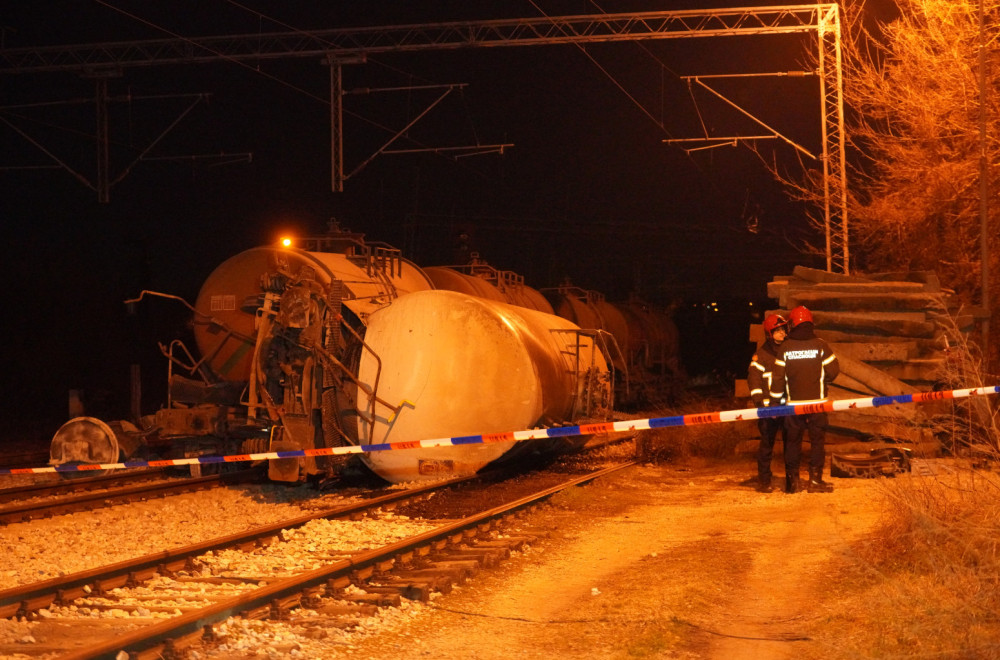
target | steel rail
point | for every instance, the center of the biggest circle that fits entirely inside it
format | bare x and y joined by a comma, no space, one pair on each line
19,601
90,483
23,459
142,640
100,499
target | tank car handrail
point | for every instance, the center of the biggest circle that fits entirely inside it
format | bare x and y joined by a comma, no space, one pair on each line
388,255
192,366
375,258
371,390
587,296
168,352
605,336
503,279
208,317
593,333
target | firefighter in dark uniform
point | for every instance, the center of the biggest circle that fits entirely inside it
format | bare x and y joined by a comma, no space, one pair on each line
759,379
803,369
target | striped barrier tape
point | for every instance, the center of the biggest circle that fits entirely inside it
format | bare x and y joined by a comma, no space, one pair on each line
538,434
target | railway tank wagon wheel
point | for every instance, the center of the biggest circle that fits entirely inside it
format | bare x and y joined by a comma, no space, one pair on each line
84,441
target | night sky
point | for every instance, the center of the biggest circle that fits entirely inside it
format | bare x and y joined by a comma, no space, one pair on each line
588,191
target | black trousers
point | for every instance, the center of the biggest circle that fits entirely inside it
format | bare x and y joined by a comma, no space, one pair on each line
768,427
795,427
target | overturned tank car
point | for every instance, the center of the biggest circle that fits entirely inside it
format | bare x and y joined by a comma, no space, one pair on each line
340,341
646,354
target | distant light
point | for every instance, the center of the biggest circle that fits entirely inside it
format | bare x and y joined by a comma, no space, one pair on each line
286,242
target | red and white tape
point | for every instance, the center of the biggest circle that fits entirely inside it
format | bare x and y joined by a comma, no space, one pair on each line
537,434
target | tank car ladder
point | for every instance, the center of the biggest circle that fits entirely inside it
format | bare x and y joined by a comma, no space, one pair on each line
586,385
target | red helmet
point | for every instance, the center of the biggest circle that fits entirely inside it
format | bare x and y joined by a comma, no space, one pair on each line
773,322
800,315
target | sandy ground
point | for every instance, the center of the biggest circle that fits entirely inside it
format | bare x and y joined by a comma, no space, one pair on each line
666,562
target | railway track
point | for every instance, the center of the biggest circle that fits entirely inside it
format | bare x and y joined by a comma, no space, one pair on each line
24,459
54,485
166,601
56,498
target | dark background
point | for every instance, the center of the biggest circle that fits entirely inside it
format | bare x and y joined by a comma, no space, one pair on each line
588,192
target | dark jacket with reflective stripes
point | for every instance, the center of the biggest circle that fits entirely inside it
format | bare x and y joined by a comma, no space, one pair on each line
803,367
759,375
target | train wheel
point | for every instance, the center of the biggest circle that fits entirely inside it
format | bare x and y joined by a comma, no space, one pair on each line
84,441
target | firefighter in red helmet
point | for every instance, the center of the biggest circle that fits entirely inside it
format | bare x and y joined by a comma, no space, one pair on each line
759,379
804,367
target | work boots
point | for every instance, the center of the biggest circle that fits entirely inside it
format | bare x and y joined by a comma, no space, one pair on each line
792,483
763,484
816,483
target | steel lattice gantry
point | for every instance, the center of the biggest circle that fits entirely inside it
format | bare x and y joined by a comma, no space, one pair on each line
346,44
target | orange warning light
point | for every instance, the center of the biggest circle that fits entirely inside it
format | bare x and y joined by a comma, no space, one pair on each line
286,242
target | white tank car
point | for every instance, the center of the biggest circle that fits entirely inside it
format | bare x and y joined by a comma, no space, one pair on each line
452,364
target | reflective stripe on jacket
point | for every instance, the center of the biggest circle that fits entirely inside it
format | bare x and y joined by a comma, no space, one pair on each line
803,368
760,375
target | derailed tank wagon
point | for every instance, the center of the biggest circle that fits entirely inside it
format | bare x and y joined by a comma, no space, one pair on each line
647,359
338,341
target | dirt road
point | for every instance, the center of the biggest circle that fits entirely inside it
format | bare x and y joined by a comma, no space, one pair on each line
658,561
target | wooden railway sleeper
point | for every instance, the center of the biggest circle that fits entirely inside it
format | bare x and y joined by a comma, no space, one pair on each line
280,607
102,587
257,613
465,568
335,586
170,569
341,609
383,567
175,649
312,597
377,599
208,633
438,575
440,583
423,562
509,542
411,591
67,596
360,575
28,607
480,547
483,558
136,578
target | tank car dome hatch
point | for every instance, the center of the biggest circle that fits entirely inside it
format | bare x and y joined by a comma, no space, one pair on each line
574,304
481,279
449,279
